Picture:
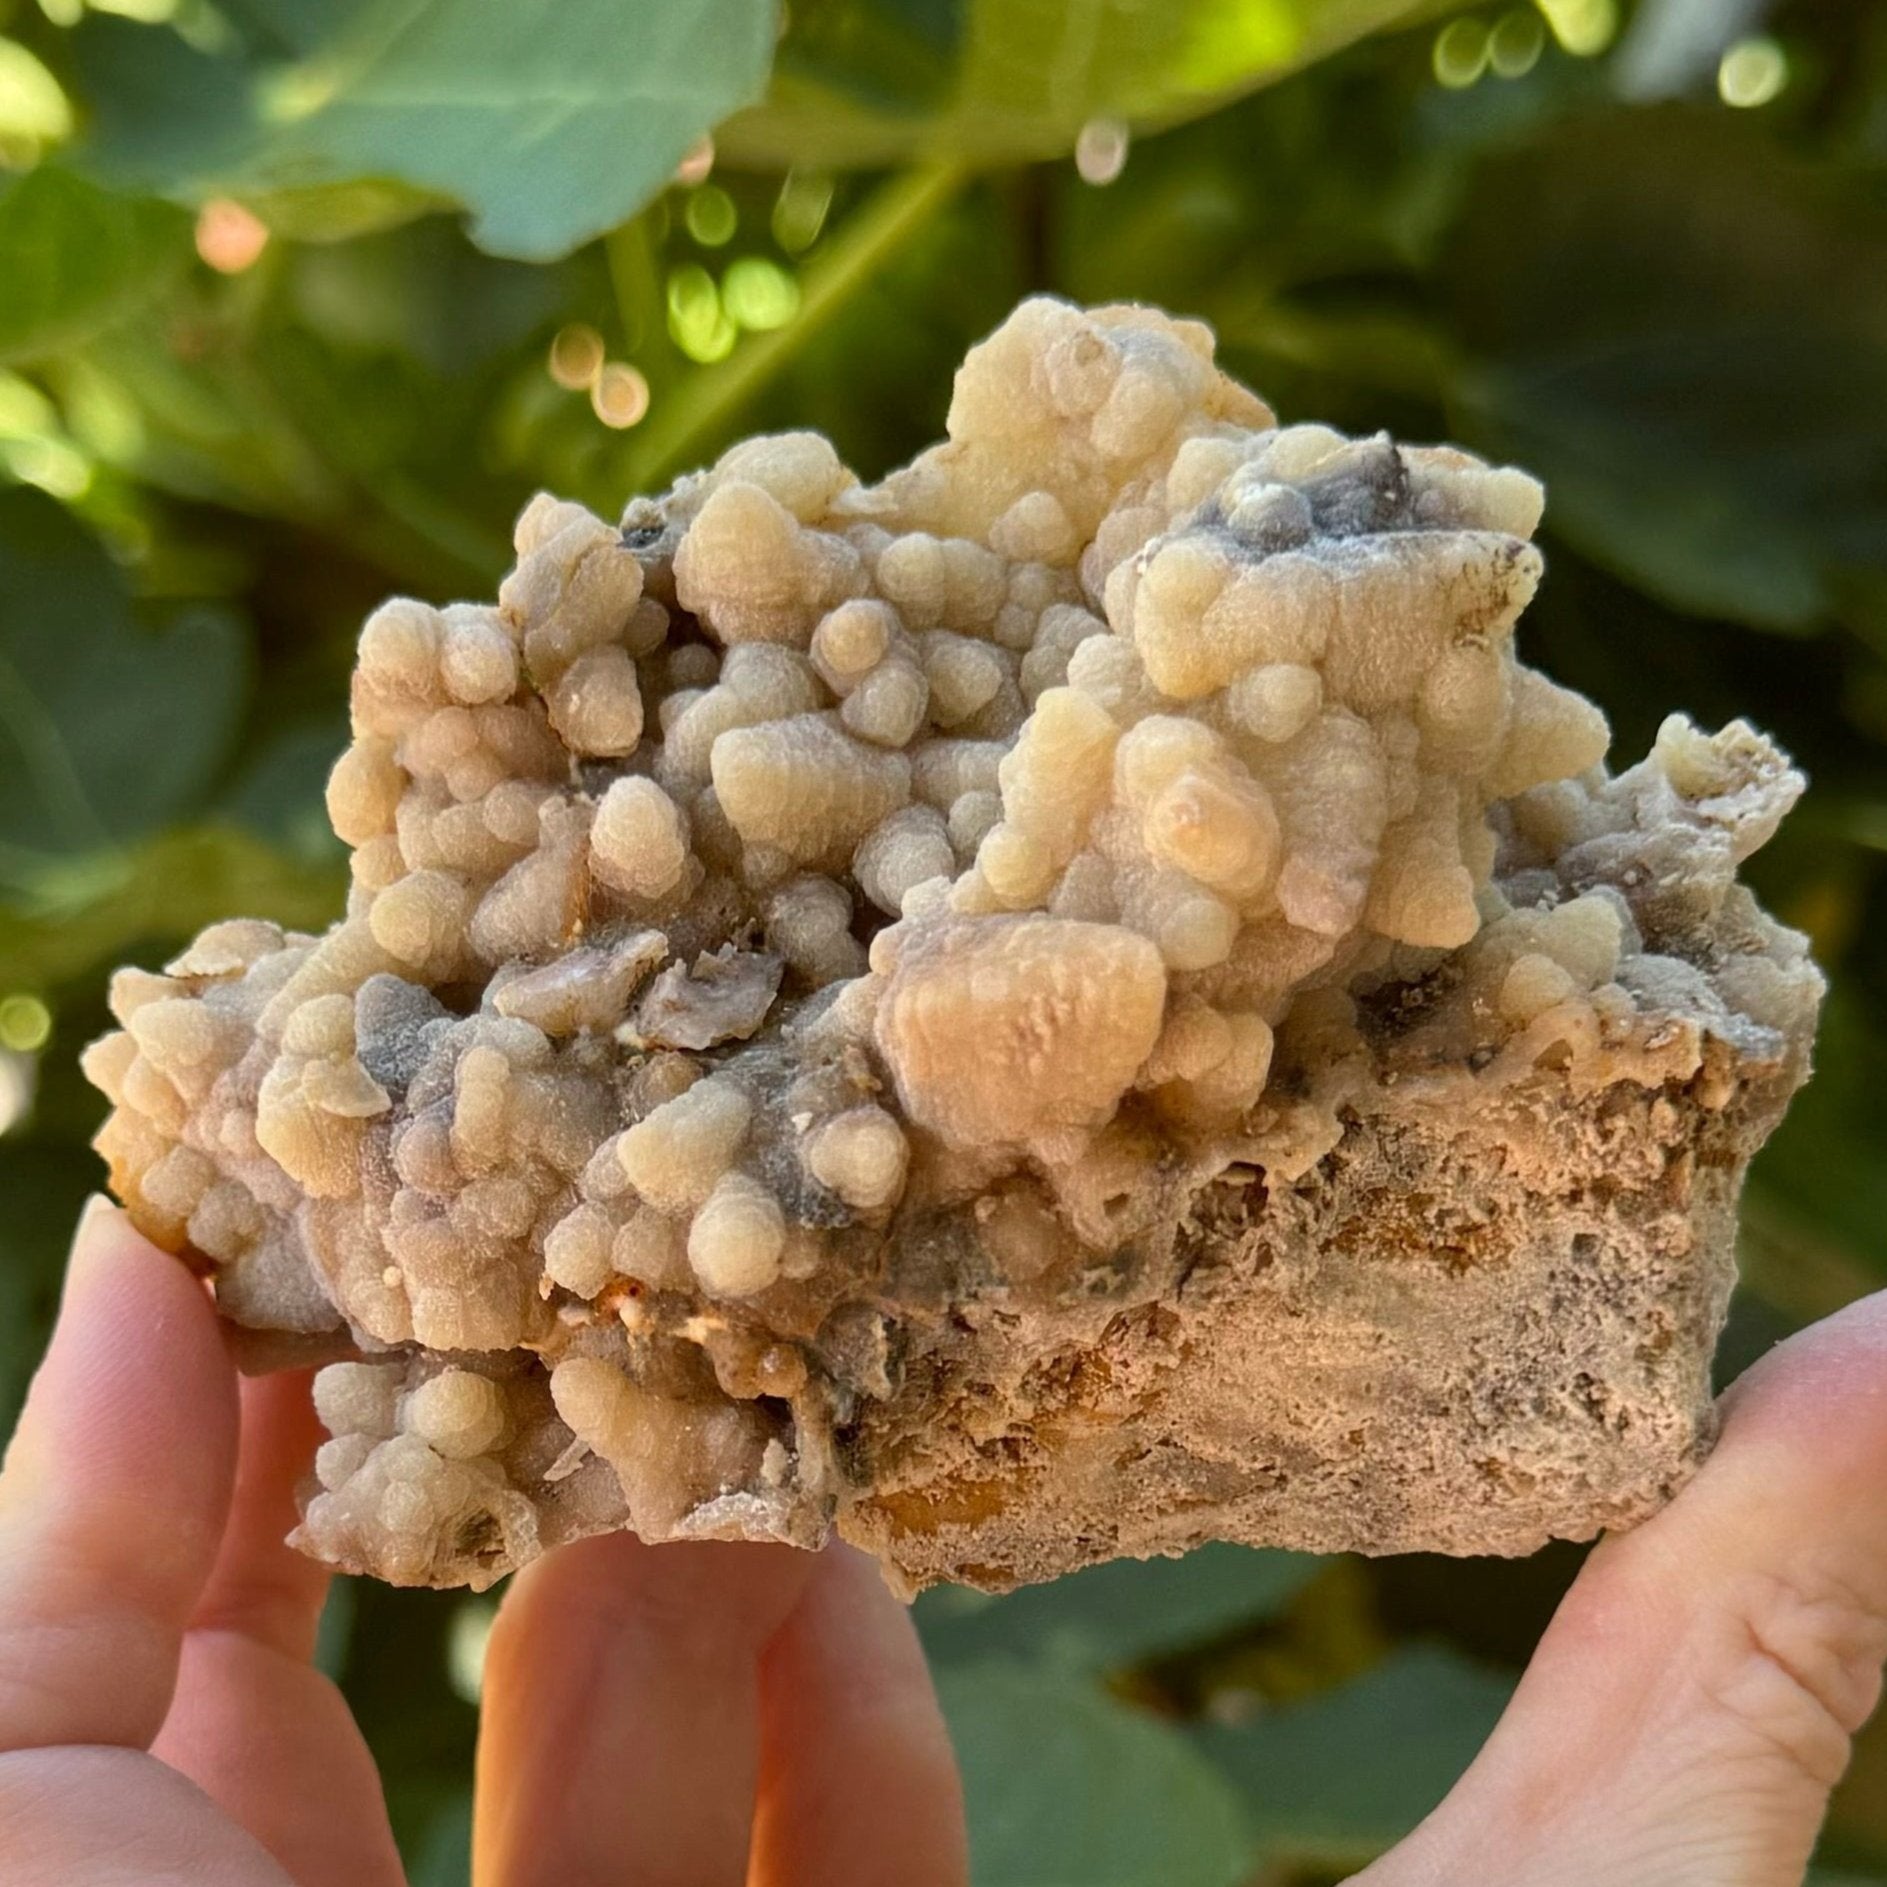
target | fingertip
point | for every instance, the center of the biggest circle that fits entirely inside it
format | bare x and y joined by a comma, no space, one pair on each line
110,1258
97,1215
135,1324
1803,1449
1836,1367
115,1492
619,1733
859,1782
852,1622
262,1587
102,1236
133,1328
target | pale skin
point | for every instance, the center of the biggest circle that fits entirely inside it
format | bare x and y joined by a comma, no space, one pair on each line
713,1716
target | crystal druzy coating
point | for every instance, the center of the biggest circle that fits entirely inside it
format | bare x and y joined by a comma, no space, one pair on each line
1069,1002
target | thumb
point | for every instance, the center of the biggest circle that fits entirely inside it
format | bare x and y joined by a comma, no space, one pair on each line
1691,1706
114,1496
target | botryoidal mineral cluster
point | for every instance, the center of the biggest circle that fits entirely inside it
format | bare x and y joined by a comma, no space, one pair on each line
1069,1003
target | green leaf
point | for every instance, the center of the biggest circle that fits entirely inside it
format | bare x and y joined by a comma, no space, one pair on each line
1684,331
1065,1787
1010,80
1123,1613
338,212
281,794
425,293
1055,65
1336,1780
167,888
79,258
550,121
106,728
445,1857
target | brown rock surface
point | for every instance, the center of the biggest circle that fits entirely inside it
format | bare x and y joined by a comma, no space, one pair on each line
1073,1002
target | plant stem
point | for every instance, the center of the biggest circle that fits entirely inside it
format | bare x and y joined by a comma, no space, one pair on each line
635,275
705,406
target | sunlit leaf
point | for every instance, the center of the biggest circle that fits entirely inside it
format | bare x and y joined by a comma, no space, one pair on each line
1067,1788
549,120
34,109
1019,78
338,212
76,258
1339,1778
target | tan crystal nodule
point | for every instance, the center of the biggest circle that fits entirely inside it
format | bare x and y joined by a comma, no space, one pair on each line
1075,1001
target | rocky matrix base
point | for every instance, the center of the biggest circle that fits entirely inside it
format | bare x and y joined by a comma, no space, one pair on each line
1070,1003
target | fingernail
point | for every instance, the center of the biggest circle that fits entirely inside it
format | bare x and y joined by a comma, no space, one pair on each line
98,1218
99,1208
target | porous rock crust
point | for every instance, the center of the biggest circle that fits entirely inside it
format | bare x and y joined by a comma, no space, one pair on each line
1073,1002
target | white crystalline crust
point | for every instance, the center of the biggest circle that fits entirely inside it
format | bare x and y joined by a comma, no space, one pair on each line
811,921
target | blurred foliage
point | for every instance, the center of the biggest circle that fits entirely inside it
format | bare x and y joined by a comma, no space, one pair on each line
282,287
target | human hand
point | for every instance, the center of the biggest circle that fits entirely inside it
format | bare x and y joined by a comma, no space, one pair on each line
160,1718
647,1709
1690,1708
659,1715
1682,1724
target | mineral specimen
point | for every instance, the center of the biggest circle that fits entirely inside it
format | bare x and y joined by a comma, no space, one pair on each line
1071,1002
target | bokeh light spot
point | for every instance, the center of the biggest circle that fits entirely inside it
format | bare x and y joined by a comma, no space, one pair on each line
467,1637
696,320
1460,55
576,356
25,1024
1752,72
799,212
229,237
699,161
1583,27
759,294
34,110
620,396
1101,150
711,216
1515,43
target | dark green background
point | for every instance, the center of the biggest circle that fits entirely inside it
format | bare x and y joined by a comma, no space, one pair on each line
1577,254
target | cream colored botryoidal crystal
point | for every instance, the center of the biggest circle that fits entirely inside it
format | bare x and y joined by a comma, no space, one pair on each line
1071,1002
